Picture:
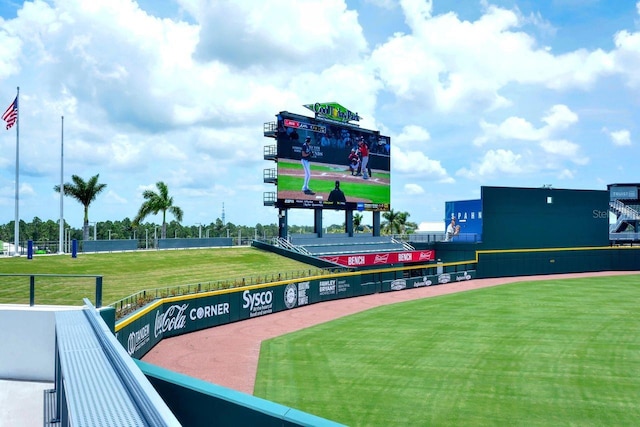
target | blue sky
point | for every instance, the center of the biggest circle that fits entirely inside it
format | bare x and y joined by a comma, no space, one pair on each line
507,93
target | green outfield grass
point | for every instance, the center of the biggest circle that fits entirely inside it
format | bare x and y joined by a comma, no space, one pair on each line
552,353
127,273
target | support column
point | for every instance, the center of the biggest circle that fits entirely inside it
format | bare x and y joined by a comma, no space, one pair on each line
348,222
376,223
317,222
283,231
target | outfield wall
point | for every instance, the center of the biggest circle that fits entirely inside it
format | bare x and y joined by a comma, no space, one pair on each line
174,316
179,315
529,262
200,403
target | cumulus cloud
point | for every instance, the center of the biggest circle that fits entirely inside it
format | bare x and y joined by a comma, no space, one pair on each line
452,64
407,159
510,128
413,189
495,162
620,137
418,165
309,33
557,118
183,97
410,136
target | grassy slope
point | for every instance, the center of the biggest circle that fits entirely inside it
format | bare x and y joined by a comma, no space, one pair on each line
539,353
127,273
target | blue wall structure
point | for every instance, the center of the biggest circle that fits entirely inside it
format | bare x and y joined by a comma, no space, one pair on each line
468,215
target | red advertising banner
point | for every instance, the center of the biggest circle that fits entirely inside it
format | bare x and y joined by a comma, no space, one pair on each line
381,258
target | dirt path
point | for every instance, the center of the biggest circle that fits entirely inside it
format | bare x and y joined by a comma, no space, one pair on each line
228,355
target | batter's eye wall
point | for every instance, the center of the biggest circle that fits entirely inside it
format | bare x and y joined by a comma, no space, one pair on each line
533,218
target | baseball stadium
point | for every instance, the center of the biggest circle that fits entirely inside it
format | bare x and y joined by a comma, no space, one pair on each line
525,316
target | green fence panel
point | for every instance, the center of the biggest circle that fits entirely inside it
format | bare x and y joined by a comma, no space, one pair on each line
195,402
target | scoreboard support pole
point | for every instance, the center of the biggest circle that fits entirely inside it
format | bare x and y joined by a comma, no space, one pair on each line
283,231
348,222
376,223
317,222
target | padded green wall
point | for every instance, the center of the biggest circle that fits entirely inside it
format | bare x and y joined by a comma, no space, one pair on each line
516,218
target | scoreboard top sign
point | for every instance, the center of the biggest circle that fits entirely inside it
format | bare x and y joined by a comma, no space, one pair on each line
333,111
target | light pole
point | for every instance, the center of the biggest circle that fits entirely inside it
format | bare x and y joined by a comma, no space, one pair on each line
68,239
109,234
146,238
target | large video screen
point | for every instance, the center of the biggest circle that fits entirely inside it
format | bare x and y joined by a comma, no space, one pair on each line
336,155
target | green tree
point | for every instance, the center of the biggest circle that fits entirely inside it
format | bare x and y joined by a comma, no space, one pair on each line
158,202
393,222
357,221
85,193
397,223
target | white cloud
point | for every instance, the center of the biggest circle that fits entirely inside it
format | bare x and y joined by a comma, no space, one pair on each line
511,128
114,197
411,136
559,117
560,147
306,33
495,161
416,164
413,189
183,98
566,174
453,64
620,138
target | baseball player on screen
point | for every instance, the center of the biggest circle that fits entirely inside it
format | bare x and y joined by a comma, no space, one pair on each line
364,155
307,153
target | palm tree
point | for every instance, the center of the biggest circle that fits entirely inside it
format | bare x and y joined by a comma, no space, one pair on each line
158,202
85,193
392,222
396,222
357,221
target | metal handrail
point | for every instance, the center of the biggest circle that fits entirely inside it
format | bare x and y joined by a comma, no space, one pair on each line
32,284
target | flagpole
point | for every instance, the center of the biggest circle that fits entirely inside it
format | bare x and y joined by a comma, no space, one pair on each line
60,241
16,231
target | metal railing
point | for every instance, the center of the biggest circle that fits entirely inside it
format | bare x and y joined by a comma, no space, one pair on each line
284,243
32,284
135,301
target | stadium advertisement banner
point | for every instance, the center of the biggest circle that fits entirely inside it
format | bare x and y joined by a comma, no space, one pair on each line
139,336
359,159
381,258
428,280
181,315
616,193
333,111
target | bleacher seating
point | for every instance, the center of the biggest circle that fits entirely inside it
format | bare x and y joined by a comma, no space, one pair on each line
332,244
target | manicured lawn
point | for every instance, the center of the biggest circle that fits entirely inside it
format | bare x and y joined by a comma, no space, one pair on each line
562,352
126,273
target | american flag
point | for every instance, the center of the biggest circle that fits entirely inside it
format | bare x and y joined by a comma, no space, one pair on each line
11,115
